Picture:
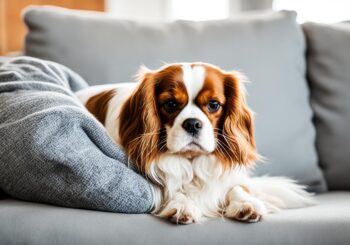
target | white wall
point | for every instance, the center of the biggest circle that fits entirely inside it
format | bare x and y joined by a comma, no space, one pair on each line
198,9
239,6
325,11
183,9
138,9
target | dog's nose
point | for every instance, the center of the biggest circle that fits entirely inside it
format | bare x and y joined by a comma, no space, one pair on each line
192,126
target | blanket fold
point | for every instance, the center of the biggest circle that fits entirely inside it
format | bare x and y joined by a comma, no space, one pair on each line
52,150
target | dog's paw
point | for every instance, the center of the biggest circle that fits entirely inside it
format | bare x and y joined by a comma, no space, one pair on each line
243,211
182,218
244,207
183,213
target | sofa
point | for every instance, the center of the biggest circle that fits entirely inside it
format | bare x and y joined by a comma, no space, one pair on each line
299,86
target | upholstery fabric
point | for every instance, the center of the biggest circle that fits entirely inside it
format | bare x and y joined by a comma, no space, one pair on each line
329,75
268,47
29,223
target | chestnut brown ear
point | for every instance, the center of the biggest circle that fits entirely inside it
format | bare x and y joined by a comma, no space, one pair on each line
139,123
237,135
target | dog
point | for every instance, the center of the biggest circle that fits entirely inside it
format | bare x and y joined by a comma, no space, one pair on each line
188,129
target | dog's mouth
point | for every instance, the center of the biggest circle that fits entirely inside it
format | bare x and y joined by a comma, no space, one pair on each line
192,149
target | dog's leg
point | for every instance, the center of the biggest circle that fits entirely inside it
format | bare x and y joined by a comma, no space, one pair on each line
244,207
174,173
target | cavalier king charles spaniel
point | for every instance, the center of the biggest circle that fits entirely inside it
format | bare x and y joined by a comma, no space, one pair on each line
188,129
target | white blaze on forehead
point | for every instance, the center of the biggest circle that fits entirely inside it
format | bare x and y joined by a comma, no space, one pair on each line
193,78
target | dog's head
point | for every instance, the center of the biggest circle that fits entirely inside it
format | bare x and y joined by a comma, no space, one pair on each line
189,110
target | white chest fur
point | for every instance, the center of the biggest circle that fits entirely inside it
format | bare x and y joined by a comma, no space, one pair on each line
199,186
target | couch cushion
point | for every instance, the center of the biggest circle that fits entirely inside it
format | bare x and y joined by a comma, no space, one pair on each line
329,75
29,223
268,47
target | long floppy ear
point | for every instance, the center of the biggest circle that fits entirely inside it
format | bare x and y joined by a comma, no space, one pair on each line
237,135
139,123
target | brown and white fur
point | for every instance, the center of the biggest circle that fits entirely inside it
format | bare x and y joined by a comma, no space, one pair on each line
188,129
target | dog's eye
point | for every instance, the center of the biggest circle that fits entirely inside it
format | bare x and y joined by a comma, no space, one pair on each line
213,106
170,106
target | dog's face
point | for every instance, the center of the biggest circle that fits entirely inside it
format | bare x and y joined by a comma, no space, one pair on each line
189,110
190,102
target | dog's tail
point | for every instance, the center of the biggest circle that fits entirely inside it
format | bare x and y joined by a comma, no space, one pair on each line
281,192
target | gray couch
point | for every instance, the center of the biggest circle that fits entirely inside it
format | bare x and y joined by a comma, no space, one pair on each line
300,86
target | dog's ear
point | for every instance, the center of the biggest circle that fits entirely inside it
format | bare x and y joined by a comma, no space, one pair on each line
139,122
237,136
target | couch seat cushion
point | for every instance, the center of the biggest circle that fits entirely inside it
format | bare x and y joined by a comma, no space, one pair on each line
30,223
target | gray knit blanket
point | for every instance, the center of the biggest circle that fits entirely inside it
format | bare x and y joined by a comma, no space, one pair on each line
53,151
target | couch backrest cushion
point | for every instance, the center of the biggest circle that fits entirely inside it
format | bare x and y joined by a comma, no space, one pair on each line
268,47
329,75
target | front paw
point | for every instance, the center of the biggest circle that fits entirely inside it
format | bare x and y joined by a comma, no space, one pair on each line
243,211
244,207
183,213
182,217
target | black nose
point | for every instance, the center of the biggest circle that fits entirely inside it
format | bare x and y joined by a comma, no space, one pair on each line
192,126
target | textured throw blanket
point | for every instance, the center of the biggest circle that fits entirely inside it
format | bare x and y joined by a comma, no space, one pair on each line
52,150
